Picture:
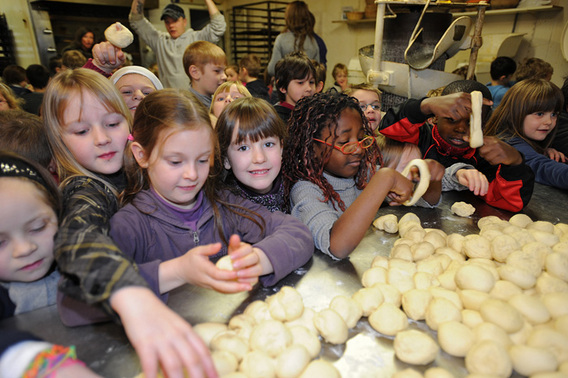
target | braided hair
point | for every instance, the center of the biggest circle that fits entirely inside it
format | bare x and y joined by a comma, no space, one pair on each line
300,161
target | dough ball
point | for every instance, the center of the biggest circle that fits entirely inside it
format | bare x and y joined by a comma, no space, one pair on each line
271,337
303,336
492,332
561,324
502,246
423,280
462,209
435,238
286,305
561,247
242,324
306,320
544,237
487,357
369,298
374,275
225,362
257,364
522,237
405,241
388,319
541,226
518,276
520,220
331,326
490,234
521,336
119,35
231,342
471,318
527,261
556,303
477,246
407,373
550,339
405,227
447,280
381,261
556,264
225,263
441,310
207,331
292,361
504,290
502,314
452,296
405,265
320,368
415,302
409,217
437,372
258,310
529,360
451,253
387,223
415,347
349,309
474,277
531,307
546,283
402,252
491,219
455,242
401,279
390,294
437,231
422,250
415,234
455,338
472,299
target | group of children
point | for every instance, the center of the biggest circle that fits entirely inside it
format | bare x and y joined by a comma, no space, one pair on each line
154,191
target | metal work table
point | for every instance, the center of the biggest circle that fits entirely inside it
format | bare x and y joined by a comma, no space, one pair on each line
106,350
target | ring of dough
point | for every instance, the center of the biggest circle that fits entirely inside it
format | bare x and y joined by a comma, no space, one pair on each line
422,184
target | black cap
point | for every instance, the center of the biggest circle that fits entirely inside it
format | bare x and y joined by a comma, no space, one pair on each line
173,11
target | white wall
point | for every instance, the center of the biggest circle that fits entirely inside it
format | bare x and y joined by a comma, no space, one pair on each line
19,22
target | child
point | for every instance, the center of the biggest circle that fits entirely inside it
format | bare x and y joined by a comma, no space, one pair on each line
294,79
534,68
7,98
177,222
204,62
227,92
526,119
30,204
251,136
339,74
370,102
329,172
249,73
232,72
447,141
72,59
321,73
502,70
87,124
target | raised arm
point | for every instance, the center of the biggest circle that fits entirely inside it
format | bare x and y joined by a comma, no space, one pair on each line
138,8
211,7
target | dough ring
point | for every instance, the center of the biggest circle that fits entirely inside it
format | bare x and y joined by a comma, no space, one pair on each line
119,35
475,132
424,182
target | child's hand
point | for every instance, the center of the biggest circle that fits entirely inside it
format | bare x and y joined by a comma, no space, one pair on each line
555,155
476,181
434,191
246,260
107,57
495,151
401,189
436,170
455,106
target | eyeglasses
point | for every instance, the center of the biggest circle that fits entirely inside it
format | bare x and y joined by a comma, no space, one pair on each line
350,148
373,106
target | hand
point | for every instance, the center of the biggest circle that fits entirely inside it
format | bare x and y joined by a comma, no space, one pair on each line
555,155
455,106
476,181
495,151
401,189
246,260
160,336
436,170
107,57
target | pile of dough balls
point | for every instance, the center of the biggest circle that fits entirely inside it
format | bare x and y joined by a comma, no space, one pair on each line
278,337
498,298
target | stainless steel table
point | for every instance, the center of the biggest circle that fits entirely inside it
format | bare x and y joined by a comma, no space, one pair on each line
105,348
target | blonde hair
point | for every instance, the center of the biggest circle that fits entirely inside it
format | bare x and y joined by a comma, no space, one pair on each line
64,87
11,99
201,53
363,87
226,87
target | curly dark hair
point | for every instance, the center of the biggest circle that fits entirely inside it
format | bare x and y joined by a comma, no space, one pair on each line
299,159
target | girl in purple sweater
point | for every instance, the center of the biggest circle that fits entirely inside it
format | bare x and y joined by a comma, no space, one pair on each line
176,221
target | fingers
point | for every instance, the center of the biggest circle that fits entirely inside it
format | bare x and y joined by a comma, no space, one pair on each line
203,354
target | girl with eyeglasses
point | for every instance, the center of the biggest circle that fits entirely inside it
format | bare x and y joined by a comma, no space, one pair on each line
330,173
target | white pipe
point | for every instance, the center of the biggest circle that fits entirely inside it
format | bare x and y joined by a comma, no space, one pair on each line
379,26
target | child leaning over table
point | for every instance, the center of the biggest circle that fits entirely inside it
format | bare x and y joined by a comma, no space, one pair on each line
495,171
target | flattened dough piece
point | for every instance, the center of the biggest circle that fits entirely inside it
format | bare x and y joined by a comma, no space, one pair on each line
462,209
119,35
422,184
387,223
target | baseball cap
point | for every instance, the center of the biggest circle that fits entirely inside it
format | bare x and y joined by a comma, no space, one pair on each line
173,11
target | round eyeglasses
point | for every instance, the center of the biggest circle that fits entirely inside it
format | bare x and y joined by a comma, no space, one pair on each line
351,148
373,106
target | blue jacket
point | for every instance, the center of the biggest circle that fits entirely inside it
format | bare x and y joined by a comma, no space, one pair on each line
148,232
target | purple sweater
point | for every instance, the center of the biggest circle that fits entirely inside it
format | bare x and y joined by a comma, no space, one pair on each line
147,231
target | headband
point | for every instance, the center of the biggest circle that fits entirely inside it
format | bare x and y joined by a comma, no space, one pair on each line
137,70
15,167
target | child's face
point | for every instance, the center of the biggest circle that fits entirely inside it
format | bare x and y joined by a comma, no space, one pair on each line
27,229
299,88
231,74
95,136
209,79
223,99
349,130
255,164
370,105
341,79
538,125
3,103
133,88
179,164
